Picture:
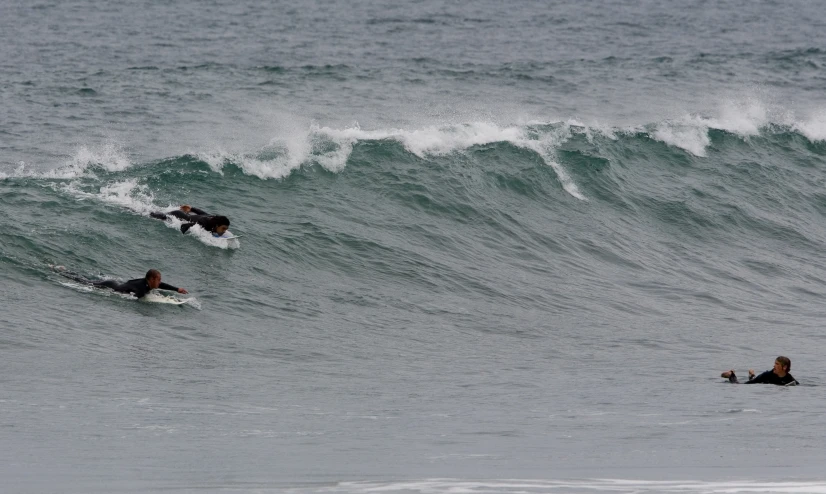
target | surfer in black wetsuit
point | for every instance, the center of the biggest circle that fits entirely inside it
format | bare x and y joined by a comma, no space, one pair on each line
779,375
138,287
215,224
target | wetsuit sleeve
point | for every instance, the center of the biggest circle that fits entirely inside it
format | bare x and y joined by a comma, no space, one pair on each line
179,214
167,286
198,211
762,378
186,226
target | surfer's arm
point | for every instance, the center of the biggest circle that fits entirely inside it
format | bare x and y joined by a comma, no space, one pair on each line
759,379
729,374
167,286
197,211
186,226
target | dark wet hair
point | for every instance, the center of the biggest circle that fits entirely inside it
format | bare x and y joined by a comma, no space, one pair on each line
785,362
217,221
152,273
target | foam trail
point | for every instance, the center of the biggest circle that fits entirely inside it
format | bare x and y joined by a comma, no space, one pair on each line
128,194
618,486
131,195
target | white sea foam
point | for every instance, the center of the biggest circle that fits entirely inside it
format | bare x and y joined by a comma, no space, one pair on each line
544,147
813,127
109,156
330,148
285,153
77,286
443,140
128,194
272,168
452,486
744,117
689,134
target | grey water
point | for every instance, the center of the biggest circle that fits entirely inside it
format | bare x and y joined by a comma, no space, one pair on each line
488,247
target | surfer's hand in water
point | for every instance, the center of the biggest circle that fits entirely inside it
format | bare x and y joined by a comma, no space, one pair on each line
186,208
751,373
182,290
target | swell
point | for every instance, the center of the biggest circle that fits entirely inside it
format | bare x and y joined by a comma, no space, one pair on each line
472,211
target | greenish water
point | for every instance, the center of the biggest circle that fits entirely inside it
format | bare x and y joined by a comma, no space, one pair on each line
480,243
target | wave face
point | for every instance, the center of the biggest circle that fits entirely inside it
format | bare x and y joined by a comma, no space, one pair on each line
487,246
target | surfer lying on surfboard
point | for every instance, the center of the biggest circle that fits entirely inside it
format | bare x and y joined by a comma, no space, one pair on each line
139,287
215,224
779,375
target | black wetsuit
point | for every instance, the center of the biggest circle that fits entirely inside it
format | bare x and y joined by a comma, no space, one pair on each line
138,287
182,215
195,215
769,377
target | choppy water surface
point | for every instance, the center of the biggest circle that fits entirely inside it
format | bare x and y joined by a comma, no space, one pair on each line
487,247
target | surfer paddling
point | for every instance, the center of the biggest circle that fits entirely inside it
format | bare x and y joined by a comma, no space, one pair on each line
779,375
215,224
138,287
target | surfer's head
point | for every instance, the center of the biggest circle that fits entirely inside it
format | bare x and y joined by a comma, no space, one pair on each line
153,278
783,363
218,224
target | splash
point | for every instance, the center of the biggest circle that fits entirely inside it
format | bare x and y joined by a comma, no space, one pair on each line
127,194
813,127
109,156
330,148
744,117
690,134
443,140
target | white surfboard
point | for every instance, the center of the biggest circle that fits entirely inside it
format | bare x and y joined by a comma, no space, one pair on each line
158,298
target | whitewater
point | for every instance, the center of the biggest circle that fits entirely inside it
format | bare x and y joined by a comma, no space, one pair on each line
486,248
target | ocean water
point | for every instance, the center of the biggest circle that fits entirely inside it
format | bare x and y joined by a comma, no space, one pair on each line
488,247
